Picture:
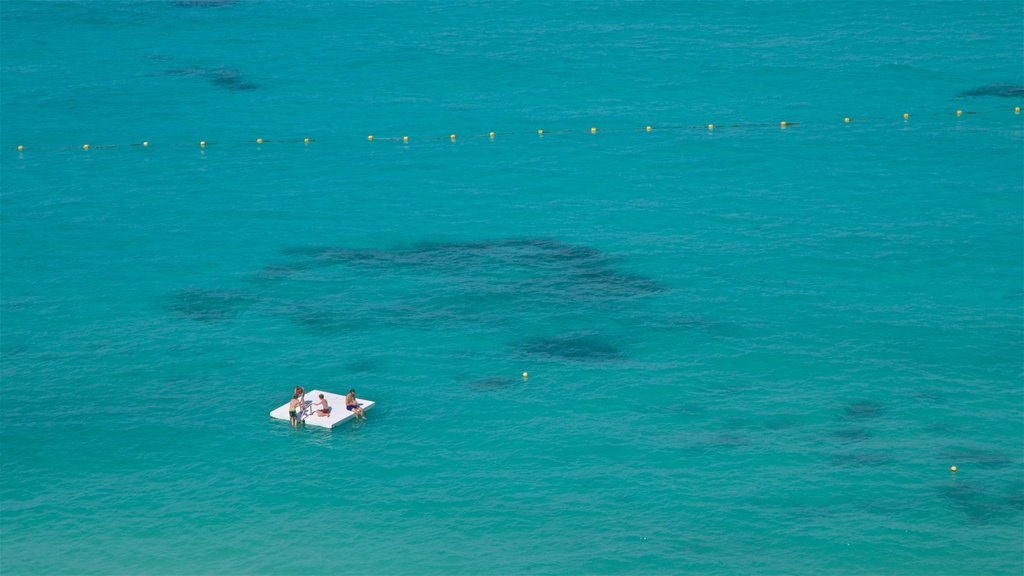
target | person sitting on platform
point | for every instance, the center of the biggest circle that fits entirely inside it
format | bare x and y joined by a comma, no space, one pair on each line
325,409
353,406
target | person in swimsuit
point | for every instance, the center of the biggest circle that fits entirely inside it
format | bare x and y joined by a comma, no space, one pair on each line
292,407
325,409
301,393
352,406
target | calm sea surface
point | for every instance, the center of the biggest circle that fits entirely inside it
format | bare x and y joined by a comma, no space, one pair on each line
751,350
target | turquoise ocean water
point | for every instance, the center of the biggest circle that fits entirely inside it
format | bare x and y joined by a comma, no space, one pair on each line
751,350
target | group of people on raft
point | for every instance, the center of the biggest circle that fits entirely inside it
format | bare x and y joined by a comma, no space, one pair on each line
298,405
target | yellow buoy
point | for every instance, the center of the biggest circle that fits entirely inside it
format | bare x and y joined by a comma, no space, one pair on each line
202,143
405,138
370,137
711,126
1016,110
593,130
452,136
305,140
959,112
85,146
540,131
782,124
648,128
953,468
526,375
491,134
145,143
259,140
906,116
847,120
20,147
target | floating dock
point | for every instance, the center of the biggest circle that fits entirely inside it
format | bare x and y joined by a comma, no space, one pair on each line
308,414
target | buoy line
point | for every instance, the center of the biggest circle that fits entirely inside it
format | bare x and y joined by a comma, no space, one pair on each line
541,132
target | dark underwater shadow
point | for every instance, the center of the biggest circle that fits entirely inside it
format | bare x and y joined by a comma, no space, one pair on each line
852,434
574,347
563,271
203,3
364,365
208,305
862,410
1000,90
226,78
319,321
982,505
488,285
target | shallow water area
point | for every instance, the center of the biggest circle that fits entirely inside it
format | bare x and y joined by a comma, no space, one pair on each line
750,349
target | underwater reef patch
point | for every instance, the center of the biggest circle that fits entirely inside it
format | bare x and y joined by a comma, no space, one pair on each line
329,291
577,347
567,269
364,365
852,434
1000,90
207,305
320,319
225,78
862,410
983,505
203,3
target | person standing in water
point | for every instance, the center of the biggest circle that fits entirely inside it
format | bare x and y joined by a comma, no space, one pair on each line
293,415
301,393
352,405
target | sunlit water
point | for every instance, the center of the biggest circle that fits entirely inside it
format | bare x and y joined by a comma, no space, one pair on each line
751,350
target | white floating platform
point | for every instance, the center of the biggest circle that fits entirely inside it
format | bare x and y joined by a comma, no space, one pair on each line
308,413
